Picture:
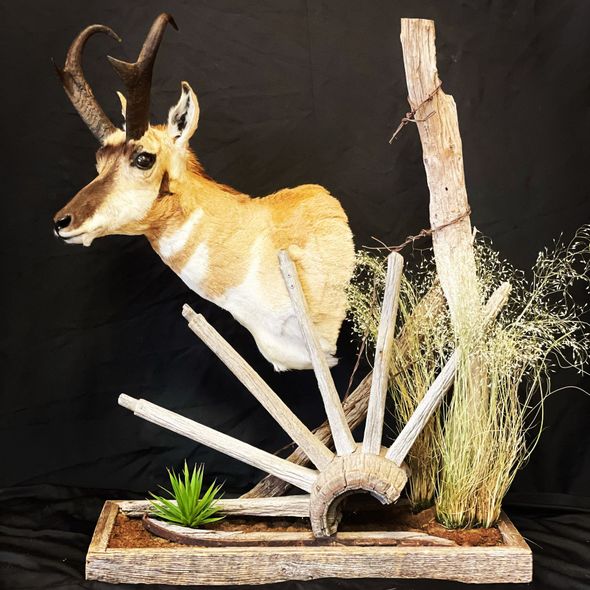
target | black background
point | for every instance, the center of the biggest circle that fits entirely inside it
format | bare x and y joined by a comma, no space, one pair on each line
291,92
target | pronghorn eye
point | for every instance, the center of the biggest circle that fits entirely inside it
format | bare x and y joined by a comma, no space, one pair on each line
144,160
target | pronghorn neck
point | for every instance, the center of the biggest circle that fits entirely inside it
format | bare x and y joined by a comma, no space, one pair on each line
191,229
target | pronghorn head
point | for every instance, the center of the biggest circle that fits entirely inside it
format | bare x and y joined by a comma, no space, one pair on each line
136,165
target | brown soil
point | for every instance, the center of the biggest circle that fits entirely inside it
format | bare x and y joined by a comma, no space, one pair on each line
129,532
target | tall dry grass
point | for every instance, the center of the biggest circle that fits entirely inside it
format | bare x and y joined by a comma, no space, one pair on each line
467,457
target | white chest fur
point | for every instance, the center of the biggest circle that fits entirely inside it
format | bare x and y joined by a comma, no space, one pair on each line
264,309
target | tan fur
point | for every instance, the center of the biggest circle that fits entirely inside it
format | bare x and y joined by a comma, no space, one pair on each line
239,237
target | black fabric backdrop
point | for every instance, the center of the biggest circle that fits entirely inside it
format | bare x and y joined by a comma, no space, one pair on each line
291,92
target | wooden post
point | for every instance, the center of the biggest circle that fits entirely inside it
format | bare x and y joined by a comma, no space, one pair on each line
436,117
407,437
341,433
299,476
383,348
318,453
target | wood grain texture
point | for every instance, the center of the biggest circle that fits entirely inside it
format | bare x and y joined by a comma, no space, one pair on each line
429,403
296,505
383,347
104,525
355,410
317,452
354,405
208,537
301,477
438,127
341,434
509,563
374,474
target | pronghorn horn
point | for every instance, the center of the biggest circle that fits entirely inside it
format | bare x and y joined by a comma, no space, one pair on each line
137,78
78,90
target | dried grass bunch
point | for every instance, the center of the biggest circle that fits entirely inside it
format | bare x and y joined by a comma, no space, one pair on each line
468,455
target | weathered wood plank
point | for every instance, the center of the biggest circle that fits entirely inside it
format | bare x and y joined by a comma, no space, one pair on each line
301,477
317,452
296,505
264,565
104,526
343,440
383,348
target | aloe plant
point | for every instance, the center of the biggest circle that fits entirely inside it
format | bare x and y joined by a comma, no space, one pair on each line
186,506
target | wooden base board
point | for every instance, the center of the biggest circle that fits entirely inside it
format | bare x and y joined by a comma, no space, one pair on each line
508,563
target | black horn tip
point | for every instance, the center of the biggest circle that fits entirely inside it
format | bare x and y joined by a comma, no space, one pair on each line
106,30
170,19
58,70
123,68
112,34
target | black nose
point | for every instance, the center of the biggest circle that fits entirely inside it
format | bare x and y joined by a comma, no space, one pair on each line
62,223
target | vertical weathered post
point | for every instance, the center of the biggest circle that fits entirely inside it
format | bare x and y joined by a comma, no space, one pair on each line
436,118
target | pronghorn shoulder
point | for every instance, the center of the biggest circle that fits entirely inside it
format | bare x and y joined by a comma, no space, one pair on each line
308,200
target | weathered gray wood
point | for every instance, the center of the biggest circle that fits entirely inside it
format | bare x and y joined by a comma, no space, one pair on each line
355,410
383,348
343,440
407,437
299,476
104,526
317,452
356,472
354,405
437,121
190,536
296,505
259,565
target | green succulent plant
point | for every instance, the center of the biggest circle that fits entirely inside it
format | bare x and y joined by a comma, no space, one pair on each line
186,506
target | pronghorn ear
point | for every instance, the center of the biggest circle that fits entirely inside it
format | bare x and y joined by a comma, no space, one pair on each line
123,102
184,117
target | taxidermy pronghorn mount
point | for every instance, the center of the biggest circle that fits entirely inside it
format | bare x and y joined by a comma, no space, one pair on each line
223,244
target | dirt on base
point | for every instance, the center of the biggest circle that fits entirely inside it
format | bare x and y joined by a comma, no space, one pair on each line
130,532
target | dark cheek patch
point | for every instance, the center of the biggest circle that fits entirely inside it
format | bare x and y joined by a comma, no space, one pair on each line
164,186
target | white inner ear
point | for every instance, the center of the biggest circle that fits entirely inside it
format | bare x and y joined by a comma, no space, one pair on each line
184,117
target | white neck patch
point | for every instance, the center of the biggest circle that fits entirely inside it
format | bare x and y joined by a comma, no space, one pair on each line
173,243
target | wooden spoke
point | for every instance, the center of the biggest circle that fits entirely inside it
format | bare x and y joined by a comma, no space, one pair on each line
399,449
299,476
343,440
317,452
383,349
